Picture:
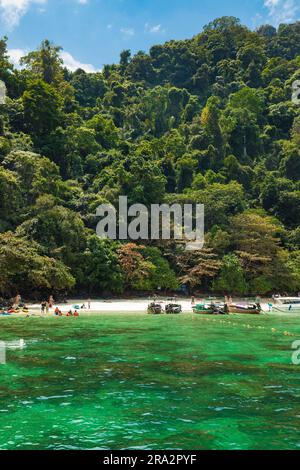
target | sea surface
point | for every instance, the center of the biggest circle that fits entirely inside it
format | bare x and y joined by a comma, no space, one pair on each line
134,381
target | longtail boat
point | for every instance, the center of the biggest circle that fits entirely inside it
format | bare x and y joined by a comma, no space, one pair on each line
173,308
204,309
287,305
250,309
155,308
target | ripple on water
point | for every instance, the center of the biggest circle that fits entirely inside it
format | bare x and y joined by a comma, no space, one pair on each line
103,383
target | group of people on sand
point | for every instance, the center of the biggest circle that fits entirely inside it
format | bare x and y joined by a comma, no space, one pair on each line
47,305
14,305
70,313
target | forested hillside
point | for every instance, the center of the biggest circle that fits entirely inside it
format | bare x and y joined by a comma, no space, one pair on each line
207,120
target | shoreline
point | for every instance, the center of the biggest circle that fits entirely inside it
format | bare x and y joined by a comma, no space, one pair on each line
121,306
134,305
110,306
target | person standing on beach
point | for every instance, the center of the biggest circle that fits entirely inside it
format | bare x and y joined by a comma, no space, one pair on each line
47,307
43,307
51,301
89,303
17,300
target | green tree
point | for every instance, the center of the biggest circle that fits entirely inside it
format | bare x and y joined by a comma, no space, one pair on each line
106,133
231,279
125,58
41,108
58,230
135,267
37,174
257,243
206,120
198,269
162,275
10,198
223,23
23,268
290,164
45,62
101,270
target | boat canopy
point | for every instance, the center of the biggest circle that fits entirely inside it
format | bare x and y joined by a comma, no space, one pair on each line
288,300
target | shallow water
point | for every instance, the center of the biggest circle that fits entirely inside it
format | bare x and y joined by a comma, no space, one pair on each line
145,382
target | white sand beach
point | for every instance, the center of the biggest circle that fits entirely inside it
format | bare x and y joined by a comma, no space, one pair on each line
135,305
110,306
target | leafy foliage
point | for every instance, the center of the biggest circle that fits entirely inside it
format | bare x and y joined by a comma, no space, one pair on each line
206,120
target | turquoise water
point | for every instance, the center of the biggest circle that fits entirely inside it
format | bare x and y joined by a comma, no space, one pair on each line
145,382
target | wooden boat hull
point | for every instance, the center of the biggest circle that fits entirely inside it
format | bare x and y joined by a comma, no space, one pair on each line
246,311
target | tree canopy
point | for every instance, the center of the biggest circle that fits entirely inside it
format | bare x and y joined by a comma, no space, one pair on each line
206,120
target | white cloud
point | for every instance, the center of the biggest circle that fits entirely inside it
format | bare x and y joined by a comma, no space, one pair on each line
83,2
154,29
13,10
271,3
69,61
128,31
282,11
15,56
72,64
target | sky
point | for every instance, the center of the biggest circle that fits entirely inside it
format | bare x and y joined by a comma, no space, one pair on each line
94,32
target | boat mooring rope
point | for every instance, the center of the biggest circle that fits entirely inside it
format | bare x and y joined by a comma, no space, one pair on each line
245,325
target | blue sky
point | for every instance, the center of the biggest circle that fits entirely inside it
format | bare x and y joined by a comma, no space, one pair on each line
93,32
